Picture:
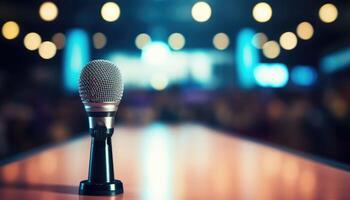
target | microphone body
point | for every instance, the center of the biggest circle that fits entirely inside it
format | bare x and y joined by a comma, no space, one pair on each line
101,127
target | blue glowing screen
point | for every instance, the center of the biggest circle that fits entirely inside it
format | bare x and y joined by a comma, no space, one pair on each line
247,57
76,55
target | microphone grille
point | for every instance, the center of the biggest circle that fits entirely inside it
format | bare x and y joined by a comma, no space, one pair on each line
100,82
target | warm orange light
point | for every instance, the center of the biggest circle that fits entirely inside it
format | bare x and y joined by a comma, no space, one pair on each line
259,40
201,11
288,40
110,11
142,40
32,41
176,41
328,13
159,82
271,49
10,30
59,39
305,30
221,41
47,50
48,11
262,12
99,40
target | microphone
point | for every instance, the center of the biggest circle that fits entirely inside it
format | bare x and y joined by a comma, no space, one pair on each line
101,90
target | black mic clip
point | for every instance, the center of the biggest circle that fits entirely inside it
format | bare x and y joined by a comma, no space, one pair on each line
101,132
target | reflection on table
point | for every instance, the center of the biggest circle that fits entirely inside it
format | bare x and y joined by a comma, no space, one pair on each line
161,162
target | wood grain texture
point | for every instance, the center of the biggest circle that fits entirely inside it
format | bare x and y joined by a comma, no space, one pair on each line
161,162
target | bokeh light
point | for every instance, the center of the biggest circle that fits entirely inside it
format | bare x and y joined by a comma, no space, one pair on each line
142,40
303,75
32,41
288,40
271,49
273,75
259,40
328,13
99,40
59,39
176,41
305,30
155,53
159,82
47,50
10,30
262,12
221,41
48,11
201,11
110,11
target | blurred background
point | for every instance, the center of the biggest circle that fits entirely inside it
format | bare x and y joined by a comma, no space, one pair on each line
274,71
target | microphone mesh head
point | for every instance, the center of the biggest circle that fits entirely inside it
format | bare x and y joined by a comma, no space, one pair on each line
100,82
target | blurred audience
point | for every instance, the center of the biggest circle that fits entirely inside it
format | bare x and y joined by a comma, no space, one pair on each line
314,121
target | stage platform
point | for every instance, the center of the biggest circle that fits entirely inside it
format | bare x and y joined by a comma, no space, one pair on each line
167,162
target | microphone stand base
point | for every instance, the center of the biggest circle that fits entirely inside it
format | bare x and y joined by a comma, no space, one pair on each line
101,189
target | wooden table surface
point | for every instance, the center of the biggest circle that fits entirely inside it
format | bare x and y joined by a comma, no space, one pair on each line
161,162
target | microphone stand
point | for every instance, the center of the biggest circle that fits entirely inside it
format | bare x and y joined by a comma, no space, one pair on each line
101,174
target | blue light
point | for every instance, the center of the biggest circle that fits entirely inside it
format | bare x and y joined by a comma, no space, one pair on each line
303,75
76,55
273,75
247,57
336,61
